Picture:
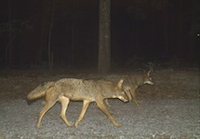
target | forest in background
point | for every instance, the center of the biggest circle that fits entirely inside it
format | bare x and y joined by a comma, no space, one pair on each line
156,31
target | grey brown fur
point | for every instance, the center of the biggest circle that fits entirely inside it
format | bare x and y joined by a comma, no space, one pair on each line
87,91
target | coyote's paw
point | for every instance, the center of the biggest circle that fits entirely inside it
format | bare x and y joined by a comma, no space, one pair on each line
38,126
117,124
70,124
76,124
137,103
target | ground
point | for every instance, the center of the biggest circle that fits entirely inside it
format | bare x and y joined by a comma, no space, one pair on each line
169,109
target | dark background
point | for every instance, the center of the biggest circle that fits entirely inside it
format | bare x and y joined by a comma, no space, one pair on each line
142,31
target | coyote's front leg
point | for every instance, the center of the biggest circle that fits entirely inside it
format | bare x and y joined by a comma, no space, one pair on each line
134,97
107,103
101,105
84,108
47,106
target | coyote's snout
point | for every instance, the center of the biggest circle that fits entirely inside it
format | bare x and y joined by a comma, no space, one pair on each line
87,91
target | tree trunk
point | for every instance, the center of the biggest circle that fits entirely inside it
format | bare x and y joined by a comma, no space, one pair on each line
50,54
104,58
9,52
166,32
74,30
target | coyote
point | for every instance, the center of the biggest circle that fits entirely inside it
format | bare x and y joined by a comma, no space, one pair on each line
131,83
73,89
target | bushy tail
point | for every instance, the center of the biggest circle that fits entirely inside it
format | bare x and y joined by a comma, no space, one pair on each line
39,91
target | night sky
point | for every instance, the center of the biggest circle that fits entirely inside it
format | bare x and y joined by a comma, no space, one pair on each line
142,31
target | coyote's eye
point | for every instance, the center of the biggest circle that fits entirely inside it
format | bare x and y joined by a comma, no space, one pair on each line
42,84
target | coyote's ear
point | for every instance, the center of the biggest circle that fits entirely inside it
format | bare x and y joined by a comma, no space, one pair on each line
149,73
119,84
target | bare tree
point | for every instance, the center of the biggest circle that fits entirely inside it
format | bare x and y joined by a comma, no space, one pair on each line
50,55
9,46
104,58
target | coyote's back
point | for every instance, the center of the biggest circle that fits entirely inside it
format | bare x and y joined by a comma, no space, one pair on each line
88,89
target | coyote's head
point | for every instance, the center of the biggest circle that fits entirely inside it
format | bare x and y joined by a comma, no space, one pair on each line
120,93
38,92
147,79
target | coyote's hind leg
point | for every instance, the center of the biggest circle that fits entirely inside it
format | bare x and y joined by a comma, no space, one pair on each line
64,102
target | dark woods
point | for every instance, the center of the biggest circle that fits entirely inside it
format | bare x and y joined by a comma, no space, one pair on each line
60,33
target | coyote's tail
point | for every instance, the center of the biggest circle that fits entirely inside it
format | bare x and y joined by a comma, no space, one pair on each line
39,91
